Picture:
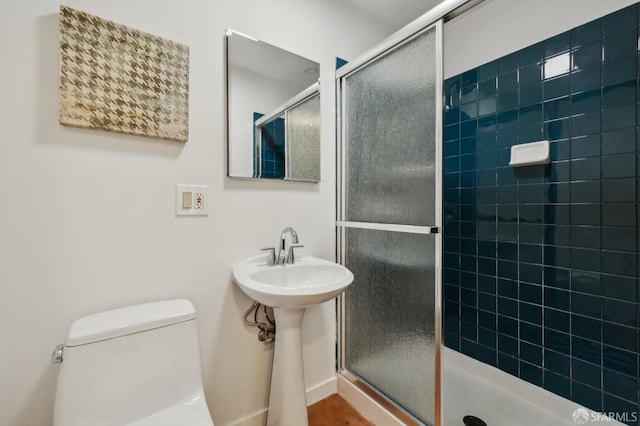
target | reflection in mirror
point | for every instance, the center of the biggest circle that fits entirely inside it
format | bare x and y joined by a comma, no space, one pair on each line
273,112
288,140
269,142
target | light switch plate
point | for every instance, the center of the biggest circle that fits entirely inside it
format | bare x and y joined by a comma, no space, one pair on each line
187,200
192,200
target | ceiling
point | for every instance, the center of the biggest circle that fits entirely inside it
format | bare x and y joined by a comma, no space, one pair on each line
395,13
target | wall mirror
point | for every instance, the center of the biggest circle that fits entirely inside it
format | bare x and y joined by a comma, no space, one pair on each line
273,112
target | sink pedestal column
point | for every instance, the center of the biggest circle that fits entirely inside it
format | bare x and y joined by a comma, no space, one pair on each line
288,397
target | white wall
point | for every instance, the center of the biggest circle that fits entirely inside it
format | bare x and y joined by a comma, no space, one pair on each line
496,28
87,217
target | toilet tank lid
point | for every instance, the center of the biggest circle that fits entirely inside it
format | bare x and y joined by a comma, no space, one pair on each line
129,320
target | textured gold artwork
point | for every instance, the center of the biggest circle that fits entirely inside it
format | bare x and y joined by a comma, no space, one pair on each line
119,79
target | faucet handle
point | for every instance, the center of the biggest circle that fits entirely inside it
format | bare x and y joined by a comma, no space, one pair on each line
291,257
271,257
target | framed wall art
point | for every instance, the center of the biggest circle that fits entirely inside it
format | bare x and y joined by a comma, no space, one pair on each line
119,79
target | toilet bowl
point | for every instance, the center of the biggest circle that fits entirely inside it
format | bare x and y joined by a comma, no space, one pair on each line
135,366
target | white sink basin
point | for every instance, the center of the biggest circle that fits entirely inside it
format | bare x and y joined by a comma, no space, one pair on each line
308,281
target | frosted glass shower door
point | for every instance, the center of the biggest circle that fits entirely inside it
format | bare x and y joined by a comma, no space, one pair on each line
303,136
388,223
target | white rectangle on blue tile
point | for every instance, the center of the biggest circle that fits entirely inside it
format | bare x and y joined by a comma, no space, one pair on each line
530,154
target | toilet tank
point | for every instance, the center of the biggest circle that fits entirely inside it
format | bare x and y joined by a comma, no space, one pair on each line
127,364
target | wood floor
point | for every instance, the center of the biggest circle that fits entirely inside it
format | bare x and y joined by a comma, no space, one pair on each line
335,411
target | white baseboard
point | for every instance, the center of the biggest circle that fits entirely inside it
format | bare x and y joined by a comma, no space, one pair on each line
322,390
259,418
365,405
314,394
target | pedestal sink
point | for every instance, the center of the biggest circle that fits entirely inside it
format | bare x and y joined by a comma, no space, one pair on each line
289,289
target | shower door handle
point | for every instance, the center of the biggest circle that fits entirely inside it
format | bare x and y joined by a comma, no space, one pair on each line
411,229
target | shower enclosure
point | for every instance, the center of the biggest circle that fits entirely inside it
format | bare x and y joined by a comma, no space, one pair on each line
389,222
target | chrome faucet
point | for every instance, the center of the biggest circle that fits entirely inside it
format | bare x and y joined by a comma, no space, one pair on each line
285,253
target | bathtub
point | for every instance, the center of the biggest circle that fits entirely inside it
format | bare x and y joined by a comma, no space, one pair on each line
474,388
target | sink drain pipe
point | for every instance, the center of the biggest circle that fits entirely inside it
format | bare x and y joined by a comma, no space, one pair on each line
267,333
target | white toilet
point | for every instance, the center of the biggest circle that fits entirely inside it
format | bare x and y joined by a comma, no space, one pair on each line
136,366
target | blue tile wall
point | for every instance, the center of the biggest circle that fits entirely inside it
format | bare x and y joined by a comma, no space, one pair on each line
541,263
273,141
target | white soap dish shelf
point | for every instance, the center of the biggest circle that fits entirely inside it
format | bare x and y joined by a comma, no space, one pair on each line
530,154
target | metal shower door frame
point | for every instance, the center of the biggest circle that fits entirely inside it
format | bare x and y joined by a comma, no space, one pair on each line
401,38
